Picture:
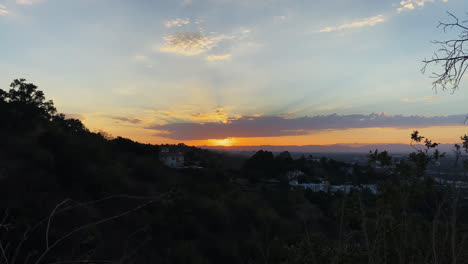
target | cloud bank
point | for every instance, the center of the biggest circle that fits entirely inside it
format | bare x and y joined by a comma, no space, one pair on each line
277,126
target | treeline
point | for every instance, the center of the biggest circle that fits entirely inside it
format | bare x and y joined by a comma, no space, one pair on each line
69,195
265,165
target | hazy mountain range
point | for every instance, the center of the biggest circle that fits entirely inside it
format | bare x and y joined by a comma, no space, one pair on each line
336,148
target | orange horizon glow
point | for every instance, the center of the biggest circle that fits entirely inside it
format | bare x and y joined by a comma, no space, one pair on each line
373,135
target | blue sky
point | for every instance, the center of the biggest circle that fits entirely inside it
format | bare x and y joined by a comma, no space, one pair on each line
213,61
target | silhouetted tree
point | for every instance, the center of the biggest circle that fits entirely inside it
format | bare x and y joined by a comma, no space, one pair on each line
260,165
25,96
284,162
452,55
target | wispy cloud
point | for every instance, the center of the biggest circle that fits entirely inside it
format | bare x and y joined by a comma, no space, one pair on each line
187,43
218,57
371,21
187,113
274,126
430,97
28,2
178,22
218,115
126,119
406,5
3,10
75,116
413,99
139,57
191,43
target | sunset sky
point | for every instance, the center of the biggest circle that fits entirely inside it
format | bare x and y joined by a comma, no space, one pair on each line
237,72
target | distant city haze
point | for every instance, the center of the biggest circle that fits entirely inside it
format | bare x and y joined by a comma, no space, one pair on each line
337,148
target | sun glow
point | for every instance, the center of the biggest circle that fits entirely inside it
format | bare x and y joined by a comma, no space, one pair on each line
227,142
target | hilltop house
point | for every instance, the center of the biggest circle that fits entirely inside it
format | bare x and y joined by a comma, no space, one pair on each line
170,158
293,176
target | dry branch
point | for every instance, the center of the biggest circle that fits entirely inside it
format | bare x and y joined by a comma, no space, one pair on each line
452,56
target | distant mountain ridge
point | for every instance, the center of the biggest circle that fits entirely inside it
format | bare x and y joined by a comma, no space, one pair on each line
335,148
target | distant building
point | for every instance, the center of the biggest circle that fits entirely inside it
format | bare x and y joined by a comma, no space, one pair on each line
310,158
294,175
170,158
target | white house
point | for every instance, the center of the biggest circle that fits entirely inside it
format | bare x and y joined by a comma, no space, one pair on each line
173,159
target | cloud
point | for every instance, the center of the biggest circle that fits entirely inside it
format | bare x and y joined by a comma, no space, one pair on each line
413,99
187,112
218,115
191,43
371,21
277,126
28,2
75,116
178,22
406,5
126,119
140,57
3,10
218,57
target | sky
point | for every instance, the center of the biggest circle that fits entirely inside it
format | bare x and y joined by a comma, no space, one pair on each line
238,72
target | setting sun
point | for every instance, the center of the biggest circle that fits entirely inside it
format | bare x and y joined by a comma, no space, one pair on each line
227,142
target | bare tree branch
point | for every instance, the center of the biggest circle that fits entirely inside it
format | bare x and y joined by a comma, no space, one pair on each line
2,249
50,220
30,231
451,56
101,221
